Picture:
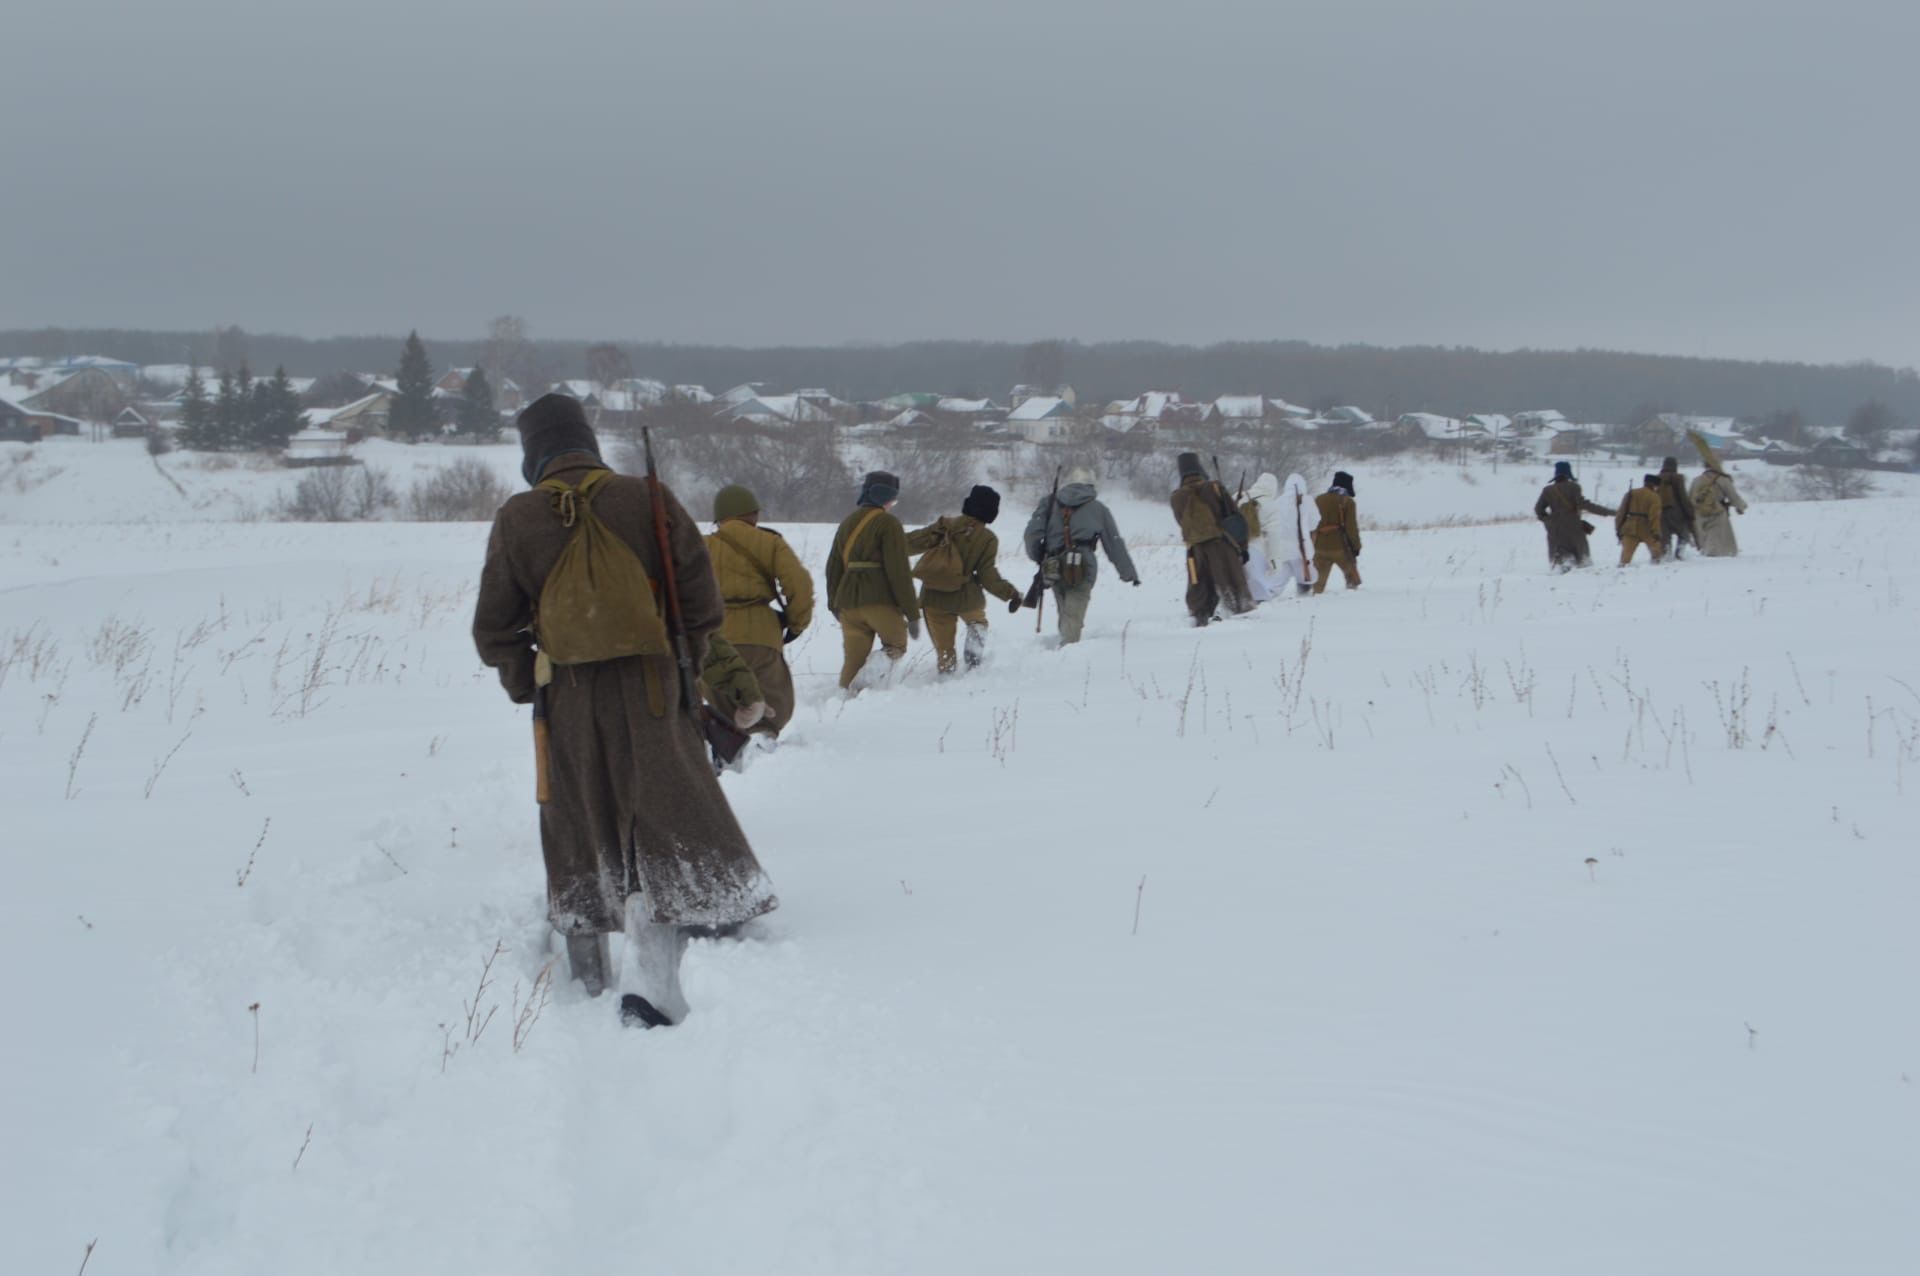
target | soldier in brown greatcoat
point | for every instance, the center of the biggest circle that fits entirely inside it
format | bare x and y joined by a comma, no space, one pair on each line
1560,505
1216,571
635,830
1676,509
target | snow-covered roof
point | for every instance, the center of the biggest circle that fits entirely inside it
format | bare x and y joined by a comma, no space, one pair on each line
174,375
969,407
741,393
644,390
692,394
1350,415
911,417
1431,424
1039,408
1241,407
769,408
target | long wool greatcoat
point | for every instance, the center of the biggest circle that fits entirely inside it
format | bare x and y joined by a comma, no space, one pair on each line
1559,507
1714,500
634,802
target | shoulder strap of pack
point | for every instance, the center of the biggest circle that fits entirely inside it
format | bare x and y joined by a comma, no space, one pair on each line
567,500
846,549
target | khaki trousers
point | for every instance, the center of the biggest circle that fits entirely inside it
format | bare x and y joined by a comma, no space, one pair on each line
859,626
769,665
943,628
1323,564
1632,539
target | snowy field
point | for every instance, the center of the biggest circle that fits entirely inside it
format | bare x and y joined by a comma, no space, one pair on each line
1483,920
70,480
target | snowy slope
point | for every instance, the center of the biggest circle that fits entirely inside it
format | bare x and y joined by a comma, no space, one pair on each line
1380,1013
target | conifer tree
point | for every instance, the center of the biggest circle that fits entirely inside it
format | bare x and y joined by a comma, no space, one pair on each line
478,415
246,407
196,415
411,416
277,411
226,432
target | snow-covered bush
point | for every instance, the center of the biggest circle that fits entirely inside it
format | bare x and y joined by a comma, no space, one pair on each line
1831,483
467,491
800,476
338,494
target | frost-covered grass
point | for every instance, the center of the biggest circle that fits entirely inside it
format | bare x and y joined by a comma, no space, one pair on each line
1488,920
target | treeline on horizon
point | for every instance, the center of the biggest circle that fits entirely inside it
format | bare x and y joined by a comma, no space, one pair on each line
1587,385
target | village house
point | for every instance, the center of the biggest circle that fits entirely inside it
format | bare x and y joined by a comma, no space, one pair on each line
1426,427
1042,419
23,424
507,394
315,447
87,393
365,416
13,424
1021,393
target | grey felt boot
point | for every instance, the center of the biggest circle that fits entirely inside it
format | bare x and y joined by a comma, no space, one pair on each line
587,957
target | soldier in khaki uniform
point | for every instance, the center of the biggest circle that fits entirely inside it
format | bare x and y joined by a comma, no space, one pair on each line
869,586
1336,538
1216,571
1638,522
769,597
975,553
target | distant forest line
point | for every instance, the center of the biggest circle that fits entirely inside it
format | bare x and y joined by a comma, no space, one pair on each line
1587,385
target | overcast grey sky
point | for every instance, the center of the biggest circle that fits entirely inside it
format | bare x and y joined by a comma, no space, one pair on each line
1686,176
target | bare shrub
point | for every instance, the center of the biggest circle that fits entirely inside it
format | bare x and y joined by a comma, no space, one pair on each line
158,444
467,491
936,467
799,475
1831,483
338,494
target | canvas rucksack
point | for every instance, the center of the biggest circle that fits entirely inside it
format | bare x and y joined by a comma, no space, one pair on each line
598,601
941,568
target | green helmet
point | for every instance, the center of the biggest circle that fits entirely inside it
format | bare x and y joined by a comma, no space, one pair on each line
734,501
